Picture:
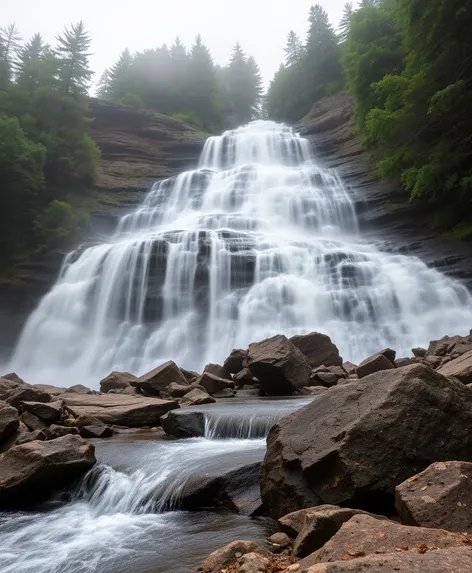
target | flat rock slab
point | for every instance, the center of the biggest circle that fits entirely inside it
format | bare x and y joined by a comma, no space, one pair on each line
439,497
363,535
460,368
119,409
31,472
455,560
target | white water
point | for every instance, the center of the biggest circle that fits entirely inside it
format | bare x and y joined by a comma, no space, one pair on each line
258,240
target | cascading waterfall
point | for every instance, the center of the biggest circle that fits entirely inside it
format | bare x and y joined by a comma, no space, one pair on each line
258,240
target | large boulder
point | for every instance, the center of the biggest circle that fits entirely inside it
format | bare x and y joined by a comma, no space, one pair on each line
279,366
443,346
218,371
176,390
158,379
47,412
420,560
8,386
460,368
353,444
439,497
229,554
235,361
32,422
184,423
237,490
119,409
197,397
26,394
363,535
318,349
213,384
117,381
9,420
373,364
317,525
32,471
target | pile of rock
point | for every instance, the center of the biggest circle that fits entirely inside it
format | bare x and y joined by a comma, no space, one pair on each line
375,473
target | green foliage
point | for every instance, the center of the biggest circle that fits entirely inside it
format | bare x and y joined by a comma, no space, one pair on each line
59,221
44,147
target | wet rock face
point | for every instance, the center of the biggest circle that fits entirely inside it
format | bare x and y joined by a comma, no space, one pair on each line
393,421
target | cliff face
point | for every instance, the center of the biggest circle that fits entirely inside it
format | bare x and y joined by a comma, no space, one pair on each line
137,148
384,211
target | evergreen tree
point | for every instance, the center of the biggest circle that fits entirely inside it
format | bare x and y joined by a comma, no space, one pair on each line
294,50
73,55
203,84
244,86
345,23
120,77
9,46
103,85
36,64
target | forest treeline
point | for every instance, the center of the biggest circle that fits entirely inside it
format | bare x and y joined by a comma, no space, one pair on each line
48,160
408,65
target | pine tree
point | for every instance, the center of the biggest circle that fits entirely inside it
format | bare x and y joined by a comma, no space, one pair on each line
294,50
73,55
9,46
244,86
345,23
35,65
103,85
120,80
203,83
254,85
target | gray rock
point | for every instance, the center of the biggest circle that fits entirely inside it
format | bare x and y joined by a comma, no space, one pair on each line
96,432
184,423
9,420
419,352
359,459
235,361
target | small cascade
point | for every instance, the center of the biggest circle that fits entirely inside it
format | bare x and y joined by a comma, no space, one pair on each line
257,240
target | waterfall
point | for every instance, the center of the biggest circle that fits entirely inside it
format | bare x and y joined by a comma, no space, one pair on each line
258,240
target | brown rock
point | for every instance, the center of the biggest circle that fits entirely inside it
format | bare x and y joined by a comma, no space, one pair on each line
184,423
439,497
158,379
279,366
320,525
280,539
218,371
96,431
32,471
47,412
359,459
9,420
443,346
253,563
401,362
36,435
49,389
8,386
212,384
190,375
338,371
26,394
55,431
80,389
313,390
229,554
119,409
327,379
418,560
373,364
197,398
363,535
433,361
87,420
318,349
117,381
460,368
177,390
350,368
32,422
419,352
13,376
244,377
235,361
461,348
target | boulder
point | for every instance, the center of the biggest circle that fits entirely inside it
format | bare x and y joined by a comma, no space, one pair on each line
32,471
197,397
320,525
461,348
419,352
8,386
117,381
389,354
237,490
338,371
245,376
87,420
9,420
96,432
36,435
177,390
49,389
32,422
433,361
279,366
363,535
184,423
13,376
443,346
190,375
350,368
158,379
354,443
419,560
213,384
439,497
47,412
326,379
318,349
26,394
280,539
460,368
218,371
235,361
229,554
55,431
80,389
373,364
401,362
119,409
253,563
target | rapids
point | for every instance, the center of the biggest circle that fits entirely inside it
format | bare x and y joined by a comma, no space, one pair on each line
257,240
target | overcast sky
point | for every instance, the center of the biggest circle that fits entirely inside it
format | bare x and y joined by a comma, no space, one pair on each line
261,26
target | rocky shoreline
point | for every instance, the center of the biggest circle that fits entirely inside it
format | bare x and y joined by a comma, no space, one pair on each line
374,473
